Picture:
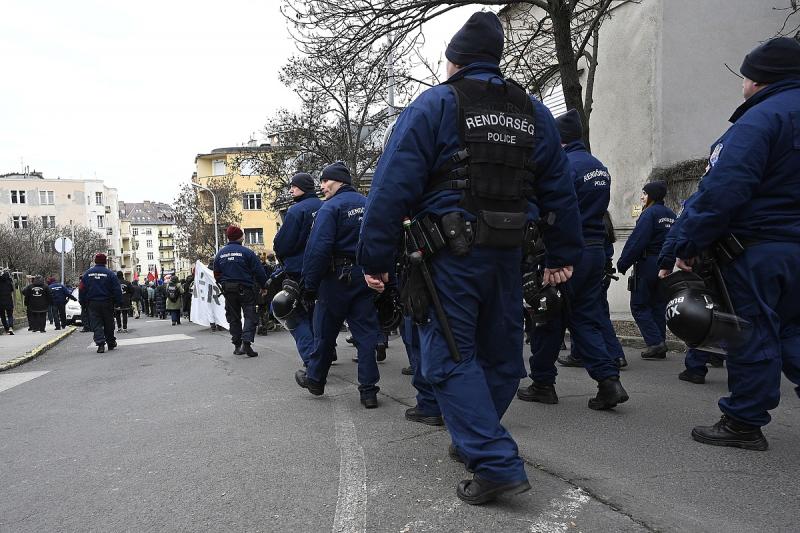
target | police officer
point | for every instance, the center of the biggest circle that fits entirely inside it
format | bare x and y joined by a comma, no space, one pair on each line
290,244
241,275
584,291
466,157
695,360
641,250
59,294
101,291
330,275
751,191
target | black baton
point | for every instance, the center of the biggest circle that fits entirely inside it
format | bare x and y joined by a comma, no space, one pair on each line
416,258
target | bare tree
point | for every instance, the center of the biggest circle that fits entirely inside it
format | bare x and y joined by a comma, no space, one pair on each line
194,238
791,22
547,39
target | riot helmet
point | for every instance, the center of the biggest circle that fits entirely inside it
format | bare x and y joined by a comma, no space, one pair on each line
286,306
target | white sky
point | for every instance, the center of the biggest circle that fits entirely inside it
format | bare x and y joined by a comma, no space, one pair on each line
130,92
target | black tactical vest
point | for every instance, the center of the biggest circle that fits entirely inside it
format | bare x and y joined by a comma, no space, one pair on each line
496,125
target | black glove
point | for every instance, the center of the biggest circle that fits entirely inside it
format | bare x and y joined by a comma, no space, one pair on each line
291,287
308,298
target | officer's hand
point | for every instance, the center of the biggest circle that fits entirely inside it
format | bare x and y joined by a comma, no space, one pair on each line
377,283
685,264
663,273
263,291
555,276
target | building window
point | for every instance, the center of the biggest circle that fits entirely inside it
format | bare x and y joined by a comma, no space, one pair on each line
49,222
254,236
151,267
19,222
251,201
110,231
110,253
148,231
149,243
135,232
139,269
17,197
98,198
100,222
46,197
150,256
218,167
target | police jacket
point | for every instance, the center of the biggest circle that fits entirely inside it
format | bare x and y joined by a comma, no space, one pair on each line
593,187
100,284
290,242
60,293
237,263
334,235
752,185
6,291
424,140
37,297
648,236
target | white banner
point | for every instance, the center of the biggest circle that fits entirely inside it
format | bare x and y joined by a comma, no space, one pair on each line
208,302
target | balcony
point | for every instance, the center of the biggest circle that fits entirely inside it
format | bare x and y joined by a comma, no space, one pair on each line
165,235
166,246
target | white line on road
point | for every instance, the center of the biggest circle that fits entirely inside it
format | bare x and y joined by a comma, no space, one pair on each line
148,340
8,381
351,504
560,513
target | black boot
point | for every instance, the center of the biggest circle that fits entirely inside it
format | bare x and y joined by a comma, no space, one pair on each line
730,432
621,362
415,416
455,456
716,361
350,340
112,345
248,350
569,360
101,348
370,402
609,394
691,377
380,352
314,387
659,351
476,491
237,349
538,392
407,371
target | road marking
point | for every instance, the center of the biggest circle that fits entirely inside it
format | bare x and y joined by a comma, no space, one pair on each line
351,504
560,513
8,381
148,340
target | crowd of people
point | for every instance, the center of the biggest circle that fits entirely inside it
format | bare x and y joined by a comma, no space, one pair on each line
487,217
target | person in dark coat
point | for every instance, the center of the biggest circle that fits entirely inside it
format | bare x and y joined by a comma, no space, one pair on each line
37,300
101,291
161,300
60,294
136,298
7,302
188,287
121,312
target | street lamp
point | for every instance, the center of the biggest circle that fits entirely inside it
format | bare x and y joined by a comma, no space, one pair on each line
216,229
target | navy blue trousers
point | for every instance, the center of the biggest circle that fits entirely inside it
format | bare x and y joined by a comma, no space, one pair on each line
610,339
481,294
338,301
426,400
584,292
696,361
648,306
765,289
303,334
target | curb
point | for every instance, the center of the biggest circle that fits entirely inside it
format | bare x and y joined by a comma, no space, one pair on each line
36,352
638,342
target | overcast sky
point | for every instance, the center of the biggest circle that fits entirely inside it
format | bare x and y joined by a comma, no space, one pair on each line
130,92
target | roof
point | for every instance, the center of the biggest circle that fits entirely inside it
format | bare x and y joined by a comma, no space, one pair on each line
236,150
146,213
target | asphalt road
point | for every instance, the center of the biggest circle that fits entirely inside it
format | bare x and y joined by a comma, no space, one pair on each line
182,435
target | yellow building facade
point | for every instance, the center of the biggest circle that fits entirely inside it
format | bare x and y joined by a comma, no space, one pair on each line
259,222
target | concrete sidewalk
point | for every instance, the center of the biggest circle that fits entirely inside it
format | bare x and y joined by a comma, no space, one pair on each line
25,345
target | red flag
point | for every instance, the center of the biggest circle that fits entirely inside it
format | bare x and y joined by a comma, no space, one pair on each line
155,272
135,275
150,276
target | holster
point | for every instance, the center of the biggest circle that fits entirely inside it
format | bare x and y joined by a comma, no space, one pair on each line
414,295
457,232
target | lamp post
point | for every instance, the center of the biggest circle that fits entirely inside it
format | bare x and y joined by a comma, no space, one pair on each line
216,229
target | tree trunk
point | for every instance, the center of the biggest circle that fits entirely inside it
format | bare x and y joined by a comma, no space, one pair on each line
561,15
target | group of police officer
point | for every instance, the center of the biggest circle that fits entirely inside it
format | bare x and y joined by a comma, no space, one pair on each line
474,173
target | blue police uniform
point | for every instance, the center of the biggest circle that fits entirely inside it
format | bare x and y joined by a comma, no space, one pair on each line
289,246
329,270
641,251
695,360
584,291
101,290
426,399
481,292
239,271
752,190
60,293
